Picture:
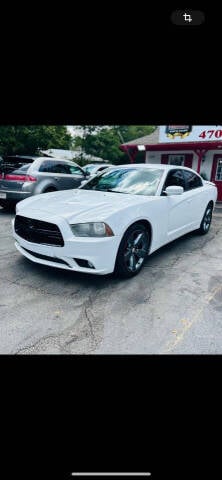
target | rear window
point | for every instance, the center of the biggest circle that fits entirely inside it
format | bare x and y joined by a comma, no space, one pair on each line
14,164
22,169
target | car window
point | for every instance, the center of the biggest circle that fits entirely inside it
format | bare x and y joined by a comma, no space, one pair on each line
175,177
192,180
59,167
48,166
74,170
23,169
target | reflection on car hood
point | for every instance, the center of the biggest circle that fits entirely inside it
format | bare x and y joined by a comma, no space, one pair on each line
81,204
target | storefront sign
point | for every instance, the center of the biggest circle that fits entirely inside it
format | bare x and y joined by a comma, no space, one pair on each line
189,133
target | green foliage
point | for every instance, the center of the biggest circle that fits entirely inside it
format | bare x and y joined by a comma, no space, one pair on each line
28,139
131,132
78,142
105,141
100,141
104,144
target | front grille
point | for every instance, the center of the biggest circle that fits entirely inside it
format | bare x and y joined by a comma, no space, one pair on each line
37,231
45,257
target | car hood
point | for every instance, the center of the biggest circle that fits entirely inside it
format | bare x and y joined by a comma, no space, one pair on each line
82,205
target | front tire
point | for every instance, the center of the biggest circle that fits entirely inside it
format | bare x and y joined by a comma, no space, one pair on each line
133,249
206,221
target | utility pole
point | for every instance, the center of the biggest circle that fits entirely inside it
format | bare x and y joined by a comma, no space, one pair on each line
122,140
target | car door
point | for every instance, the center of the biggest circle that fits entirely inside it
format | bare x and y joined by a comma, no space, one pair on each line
64,177
197,200
61,174
51,173
178,206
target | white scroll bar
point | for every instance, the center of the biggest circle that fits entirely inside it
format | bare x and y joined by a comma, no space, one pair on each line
111,474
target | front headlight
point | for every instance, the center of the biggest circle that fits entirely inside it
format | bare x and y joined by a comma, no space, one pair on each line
95,229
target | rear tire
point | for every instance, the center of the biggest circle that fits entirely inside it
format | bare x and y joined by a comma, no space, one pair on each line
7,205
133,249
206,221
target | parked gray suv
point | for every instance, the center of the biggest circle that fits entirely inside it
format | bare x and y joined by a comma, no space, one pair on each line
23,176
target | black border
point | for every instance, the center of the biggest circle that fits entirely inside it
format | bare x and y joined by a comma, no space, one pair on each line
150,71
138,413
111,413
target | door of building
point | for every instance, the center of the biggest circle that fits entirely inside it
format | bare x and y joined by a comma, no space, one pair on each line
216,174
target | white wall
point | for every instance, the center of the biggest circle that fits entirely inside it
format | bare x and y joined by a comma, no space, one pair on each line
153,157
206,167
208,162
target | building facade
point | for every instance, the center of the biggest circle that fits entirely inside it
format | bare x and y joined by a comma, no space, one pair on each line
194,146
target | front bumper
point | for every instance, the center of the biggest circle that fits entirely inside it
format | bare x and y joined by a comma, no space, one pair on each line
100,252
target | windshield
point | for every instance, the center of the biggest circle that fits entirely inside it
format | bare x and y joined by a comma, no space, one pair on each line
136,181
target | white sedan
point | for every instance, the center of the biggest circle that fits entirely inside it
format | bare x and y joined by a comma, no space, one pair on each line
115,220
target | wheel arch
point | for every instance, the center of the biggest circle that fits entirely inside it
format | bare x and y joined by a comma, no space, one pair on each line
118,269
50,188
146,224
211,204
43,185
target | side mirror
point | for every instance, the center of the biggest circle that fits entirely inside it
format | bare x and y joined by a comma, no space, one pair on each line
83,182
174,190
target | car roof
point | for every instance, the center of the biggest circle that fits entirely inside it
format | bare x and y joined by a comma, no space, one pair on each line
57,159
104,165
161,166
37,157
53,159
97,164
20,157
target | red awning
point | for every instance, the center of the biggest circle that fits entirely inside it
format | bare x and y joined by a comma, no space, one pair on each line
176,146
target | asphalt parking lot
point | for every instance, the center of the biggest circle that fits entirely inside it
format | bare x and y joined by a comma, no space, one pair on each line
174,306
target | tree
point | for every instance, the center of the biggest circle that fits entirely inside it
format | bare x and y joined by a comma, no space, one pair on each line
104,144
131,132
28,139
104,141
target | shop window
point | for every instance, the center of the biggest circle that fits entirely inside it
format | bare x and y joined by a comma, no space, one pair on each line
176,159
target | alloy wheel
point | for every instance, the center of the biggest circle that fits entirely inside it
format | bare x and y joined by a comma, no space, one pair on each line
136,249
